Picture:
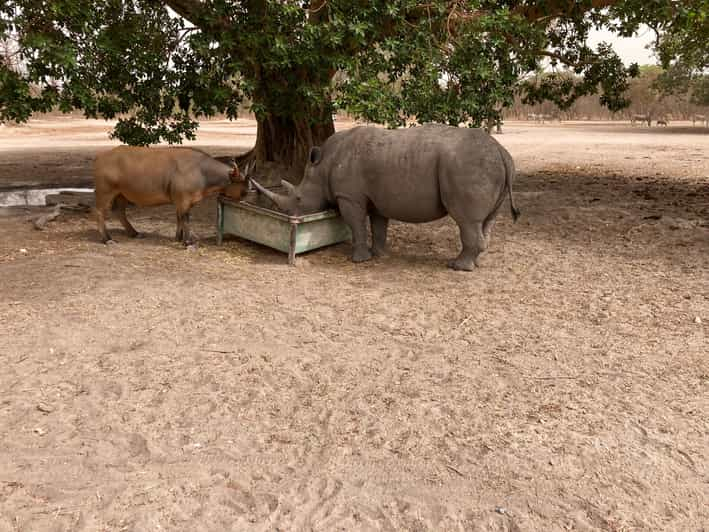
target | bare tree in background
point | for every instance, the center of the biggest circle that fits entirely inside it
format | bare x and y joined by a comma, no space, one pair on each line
643,93
9,53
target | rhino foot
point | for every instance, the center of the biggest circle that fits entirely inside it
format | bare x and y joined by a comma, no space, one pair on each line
361,254
466,265
379,251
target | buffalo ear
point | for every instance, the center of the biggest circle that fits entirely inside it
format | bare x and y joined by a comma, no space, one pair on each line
315,155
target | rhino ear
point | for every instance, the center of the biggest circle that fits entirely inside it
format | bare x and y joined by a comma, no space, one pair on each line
315,155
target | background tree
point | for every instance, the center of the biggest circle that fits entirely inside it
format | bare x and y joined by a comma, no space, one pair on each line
683,51
160,66
645,94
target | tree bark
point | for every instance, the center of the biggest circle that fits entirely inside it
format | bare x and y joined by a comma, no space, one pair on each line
283,145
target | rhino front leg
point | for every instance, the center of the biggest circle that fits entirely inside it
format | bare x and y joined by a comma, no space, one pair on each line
356,217
379,233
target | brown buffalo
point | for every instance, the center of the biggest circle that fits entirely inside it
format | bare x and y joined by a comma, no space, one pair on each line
157,176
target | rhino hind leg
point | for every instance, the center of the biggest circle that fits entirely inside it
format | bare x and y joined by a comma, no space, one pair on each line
488,225
356,217
474,243
379,225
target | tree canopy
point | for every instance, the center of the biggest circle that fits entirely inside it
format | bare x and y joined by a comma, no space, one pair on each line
159,66
684,53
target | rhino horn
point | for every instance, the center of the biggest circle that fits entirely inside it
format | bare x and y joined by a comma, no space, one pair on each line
290,188
284,202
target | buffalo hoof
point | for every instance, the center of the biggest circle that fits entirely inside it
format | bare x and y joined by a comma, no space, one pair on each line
110,242
462,265
137,235
361,255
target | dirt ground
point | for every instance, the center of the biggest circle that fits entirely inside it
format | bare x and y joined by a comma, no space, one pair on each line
564,385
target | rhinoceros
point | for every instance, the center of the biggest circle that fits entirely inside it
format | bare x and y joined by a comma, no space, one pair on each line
418,174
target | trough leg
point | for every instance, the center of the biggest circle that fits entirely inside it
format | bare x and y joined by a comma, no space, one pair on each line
292,243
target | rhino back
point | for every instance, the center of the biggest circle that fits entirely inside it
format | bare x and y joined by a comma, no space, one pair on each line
400,170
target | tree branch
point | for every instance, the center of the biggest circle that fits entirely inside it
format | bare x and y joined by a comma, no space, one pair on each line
557,8
316,7
187,9
565,60
195,12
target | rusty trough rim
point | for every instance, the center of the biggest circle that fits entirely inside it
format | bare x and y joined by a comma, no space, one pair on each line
304,218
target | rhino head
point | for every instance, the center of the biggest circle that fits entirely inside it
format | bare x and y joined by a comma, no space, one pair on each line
309,196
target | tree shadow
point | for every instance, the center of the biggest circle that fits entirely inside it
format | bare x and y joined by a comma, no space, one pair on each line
636,217
631,218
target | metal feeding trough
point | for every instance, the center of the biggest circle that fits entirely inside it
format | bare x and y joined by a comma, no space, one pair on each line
250,219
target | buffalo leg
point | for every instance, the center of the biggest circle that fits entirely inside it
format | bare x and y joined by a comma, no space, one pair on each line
473,240
379,233
104,200
356,217
187,238
120,204
179,232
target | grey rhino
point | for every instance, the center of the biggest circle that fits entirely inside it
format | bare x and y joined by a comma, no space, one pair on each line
418,174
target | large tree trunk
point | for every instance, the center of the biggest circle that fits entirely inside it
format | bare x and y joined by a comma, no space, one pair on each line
283,145
283,138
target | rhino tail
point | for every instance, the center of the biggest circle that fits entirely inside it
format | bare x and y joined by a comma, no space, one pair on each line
509,175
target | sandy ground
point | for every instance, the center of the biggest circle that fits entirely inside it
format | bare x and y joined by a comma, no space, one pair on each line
564,385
